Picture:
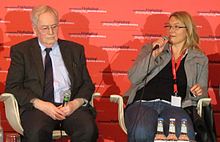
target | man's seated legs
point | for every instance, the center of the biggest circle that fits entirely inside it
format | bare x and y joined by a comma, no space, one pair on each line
38,126
81,126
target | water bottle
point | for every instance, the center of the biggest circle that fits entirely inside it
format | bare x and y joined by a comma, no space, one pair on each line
1,131
172,131
183,135
160,137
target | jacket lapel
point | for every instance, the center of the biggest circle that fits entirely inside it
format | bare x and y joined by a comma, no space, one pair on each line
37,58
67,59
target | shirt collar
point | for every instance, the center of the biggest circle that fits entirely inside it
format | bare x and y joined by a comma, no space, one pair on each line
44,47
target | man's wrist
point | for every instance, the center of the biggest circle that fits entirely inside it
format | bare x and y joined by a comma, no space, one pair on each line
33,101
85,102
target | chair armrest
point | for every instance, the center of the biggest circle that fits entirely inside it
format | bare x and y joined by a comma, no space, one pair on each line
202,102
12,111
94,95
119,100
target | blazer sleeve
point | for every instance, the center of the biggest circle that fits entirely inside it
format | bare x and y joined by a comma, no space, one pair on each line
202,77
15,78
86,87
138,71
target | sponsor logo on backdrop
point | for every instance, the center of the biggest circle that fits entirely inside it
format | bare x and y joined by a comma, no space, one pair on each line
19,8
94,60
4,71
147,36
99,86
65,22
118,48
150,11
6,51
3,21
20,33
210,37
88,10
5,46
86,35
119,23
116,73
209,13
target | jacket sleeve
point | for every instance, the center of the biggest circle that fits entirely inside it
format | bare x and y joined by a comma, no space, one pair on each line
86,88
16,76
138,71
202,77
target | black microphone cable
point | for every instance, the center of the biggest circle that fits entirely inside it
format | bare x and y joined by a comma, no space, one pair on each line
145,83
134,126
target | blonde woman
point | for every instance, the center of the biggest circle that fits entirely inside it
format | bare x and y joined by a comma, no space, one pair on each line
176,78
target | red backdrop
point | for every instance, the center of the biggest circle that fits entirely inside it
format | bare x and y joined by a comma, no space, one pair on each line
113,31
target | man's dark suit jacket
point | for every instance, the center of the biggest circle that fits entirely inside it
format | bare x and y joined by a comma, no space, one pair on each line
26,72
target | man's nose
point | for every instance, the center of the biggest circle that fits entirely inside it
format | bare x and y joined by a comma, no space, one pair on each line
51,30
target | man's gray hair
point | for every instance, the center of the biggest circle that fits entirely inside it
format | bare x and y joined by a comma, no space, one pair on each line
37,11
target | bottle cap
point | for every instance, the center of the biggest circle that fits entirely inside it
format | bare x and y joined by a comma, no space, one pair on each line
161,119
183,119
172,119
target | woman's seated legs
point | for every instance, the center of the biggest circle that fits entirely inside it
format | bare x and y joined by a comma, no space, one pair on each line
141,121
177,113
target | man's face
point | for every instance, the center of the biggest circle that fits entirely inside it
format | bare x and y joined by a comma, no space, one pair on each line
47,29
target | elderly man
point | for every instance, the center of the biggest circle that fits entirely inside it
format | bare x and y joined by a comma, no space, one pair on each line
42,71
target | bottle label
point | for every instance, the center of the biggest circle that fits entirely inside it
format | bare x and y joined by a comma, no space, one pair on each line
172,129
160,128
184,129
1,136
1,133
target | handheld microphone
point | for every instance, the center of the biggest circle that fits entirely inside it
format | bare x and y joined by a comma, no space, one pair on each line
66,97
157,45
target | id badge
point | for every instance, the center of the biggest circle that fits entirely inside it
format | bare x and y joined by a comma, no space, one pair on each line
176,101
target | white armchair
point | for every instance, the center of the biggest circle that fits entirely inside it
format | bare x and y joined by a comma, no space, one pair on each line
119,100
13,117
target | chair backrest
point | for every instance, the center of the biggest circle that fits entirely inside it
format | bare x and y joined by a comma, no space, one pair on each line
12,112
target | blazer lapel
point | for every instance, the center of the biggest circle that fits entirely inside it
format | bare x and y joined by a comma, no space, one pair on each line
37,58
67,58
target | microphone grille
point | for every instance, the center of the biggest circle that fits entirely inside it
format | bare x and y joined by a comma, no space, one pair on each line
165,37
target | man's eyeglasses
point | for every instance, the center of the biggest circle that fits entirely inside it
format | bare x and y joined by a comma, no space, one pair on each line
45,29
169,27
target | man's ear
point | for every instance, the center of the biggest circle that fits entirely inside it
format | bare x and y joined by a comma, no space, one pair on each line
34,29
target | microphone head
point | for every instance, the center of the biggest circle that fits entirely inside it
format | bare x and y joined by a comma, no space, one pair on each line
66,96
165,38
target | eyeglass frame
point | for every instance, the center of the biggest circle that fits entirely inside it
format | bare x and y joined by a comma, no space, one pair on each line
175,27
46,28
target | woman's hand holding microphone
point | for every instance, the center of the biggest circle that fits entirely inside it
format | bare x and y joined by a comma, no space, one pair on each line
158,45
